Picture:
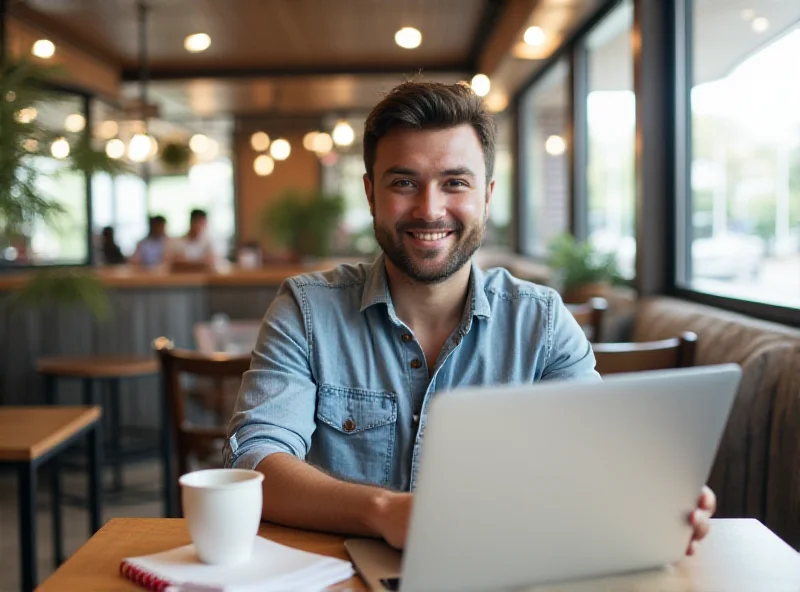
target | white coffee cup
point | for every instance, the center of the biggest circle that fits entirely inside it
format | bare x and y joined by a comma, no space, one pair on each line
223,510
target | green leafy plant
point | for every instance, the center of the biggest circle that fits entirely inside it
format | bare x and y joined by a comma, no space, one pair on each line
578,263
304,221
176,155
24,87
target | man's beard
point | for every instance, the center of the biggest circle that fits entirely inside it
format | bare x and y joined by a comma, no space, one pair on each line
467,241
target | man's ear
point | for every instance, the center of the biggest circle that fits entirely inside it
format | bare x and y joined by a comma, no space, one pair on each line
489,194
370,194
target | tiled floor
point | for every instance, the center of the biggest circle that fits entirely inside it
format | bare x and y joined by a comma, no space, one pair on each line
144,477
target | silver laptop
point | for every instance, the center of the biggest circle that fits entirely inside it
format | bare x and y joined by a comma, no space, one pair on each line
555,481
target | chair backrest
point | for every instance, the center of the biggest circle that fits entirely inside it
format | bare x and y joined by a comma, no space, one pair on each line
677,352
590,314
175,363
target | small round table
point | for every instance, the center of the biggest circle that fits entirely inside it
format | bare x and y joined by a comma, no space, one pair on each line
111,370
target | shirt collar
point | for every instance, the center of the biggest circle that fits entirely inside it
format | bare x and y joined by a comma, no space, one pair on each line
376,290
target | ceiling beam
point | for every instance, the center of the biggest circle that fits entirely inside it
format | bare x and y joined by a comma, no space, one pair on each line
492,13
507,30
222,72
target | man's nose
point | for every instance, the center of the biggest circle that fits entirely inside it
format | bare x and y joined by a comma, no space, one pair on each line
430,204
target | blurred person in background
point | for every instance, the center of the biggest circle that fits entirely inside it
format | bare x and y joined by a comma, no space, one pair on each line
150,251
195,251
110,252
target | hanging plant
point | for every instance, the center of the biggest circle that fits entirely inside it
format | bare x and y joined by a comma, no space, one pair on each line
176,156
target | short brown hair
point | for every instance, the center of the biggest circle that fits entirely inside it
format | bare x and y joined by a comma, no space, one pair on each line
429,105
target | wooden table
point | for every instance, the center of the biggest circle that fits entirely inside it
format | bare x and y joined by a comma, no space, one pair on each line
739,556
95,566
29,436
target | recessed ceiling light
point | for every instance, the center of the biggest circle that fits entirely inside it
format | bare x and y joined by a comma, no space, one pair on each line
534,36
259,141
115,148
198,143
263,165
197,42
108,129
343,134
74,122
44,48
760,24
308,141
26,115
496,101
280,149
323,143
408,38
555,145
59,148
481,84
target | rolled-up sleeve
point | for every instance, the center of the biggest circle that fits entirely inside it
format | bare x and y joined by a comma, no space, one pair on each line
275,408
570,354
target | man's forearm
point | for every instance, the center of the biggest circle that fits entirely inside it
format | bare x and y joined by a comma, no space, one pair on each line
297,494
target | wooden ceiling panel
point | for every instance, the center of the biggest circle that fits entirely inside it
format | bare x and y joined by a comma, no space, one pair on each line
303,95
275,33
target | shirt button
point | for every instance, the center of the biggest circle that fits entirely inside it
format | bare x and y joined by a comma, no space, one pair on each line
415,417
407,337
349,425
415,363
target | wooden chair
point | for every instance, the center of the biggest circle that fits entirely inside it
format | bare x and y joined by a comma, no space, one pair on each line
195,442
591,315
677,352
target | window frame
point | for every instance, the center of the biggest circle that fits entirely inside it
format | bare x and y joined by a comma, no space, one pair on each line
681,228
573,50
86,103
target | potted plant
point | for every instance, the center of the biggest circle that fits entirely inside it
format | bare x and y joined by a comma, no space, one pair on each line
305,222
23,87
582,272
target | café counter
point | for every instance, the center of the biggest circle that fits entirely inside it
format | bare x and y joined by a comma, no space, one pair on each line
144,305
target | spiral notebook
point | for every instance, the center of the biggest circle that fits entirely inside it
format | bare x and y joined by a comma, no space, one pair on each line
272,568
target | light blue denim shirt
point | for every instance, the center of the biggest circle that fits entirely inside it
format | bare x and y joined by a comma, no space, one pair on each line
339,380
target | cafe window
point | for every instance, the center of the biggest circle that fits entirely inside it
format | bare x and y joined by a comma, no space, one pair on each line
611,133
208,186
544,117
498,226
121,203
743,215
64,241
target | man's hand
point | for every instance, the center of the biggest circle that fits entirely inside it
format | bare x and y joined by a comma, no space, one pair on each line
699,518
392,517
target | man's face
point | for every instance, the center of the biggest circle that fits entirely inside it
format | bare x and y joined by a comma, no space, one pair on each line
159,229
429,200
198,225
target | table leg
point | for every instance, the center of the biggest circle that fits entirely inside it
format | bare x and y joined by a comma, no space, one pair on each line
166,455
115,435
55,485
94,452
50,389
88,392
27,524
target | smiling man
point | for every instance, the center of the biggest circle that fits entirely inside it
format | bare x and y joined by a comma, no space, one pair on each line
333,408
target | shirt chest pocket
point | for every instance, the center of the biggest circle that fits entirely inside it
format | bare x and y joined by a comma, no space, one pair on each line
355,435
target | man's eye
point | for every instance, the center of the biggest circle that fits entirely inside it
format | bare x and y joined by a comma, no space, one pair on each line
403,183
457,183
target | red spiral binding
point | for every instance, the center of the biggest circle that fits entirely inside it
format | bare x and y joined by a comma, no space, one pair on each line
143,578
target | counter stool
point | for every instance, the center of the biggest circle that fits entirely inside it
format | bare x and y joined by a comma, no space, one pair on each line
109,370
